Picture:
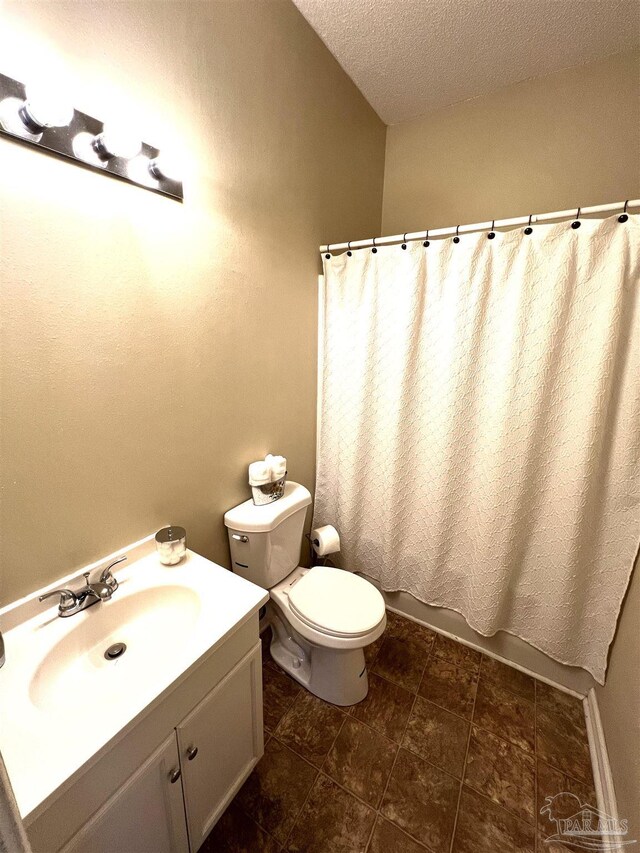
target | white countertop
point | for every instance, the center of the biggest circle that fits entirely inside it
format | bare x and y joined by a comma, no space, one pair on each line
61,702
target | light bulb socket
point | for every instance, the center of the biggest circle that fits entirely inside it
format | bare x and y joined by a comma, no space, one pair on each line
156,171
109,144
32,125
101,149
44,108
163,168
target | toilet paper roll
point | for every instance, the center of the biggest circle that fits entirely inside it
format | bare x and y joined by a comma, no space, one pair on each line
325,540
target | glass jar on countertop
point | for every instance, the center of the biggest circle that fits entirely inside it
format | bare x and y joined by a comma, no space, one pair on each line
171,545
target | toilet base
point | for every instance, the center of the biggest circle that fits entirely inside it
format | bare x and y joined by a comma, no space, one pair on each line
338,676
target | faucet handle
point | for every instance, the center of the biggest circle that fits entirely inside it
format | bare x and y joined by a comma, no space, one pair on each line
68,599
106,575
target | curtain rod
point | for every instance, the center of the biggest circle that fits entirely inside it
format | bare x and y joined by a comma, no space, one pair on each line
484,226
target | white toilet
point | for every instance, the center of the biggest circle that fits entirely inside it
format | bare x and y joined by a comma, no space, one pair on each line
322,618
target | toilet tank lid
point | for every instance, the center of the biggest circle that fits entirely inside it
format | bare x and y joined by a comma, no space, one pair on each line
249,518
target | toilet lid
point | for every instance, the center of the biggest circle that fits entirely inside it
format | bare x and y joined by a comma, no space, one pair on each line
336,602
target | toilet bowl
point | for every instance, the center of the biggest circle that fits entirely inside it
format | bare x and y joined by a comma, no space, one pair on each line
321,618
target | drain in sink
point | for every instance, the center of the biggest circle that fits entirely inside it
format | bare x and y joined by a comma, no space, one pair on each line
115,651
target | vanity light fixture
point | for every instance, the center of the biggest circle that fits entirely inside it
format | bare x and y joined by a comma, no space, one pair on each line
37,114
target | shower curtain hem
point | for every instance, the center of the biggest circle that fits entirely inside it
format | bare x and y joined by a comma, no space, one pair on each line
498,630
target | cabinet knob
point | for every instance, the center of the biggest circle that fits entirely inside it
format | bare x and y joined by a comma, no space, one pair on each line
174,775
192,752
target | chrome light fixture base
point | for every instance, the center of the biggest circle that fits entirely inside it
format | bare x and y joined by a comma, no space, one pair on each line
75,141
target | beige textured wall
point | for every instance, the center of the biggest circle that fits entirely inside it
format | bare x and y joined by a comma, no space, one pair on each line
551,143
568,139
151,350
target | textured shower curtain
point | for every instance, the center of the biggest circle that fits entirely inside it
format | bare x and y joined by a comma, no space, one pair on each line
479,427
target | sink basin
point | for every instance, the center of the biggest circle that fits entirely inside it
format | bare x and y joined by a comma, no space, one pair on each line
75,674
62,702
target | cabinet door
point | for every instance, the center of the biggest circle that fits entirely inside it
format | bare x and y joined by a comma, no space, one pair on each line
220,743
145,816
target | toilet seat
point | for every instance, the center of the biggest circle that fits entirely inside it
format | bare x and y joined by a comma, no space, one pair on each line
336,602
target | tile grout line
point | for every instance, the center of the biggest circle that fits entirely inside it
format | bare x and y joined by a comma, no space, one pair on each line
551,762
297,754
356,797
442,708
287,746
273,736
464,766
319,772
398,744
504,687
401,739
500,737
393,766
333,743
500,806
253,820
378,813
304,803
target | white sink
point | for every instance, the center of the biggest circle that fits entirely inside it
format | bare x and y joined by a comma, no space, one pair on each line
62,702
75,675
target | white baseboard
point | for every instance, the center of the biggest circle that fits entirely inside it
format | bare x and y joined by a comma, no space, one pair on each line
602,776
488,653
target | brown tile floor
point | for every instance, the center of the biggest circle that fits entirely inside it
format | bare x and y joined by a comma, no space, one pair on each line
451,752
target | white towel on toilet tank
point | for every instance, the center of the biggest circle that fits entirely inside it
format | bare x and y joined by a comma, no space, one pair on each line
479,427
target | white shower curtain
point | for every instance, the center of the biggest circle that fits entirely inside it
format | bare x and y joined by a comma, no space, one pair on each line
479,427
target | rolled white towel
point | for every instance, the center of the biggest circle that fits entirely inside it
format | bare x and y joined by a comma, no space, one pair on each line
278,465
259,473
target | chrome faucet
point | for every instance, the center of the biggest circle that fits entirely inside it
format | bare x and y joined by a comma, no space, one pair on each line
106,576
91,593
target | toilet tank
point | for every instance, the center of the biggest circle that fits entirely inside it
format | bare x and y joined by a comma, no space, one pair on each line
265,540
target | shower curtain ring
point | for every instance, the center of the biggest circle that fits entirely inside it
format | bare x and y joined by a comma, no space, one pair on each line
491,233
426,239
349,252
328,254
576,223
623,216
374,250
404,242
456,239
529,230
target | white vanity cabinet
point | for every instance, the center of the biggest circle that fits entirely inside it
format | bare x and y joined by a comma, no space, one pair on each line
151,793
220,742
164,784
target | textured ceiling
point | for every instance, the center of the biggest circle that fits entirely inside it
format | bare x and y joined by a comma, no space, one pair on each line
409,57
